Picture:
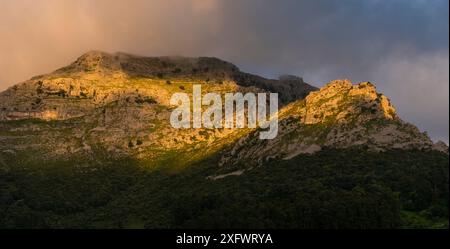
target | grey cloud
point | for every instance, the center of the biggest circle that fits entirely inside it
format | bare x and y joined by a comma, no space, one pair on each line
419,89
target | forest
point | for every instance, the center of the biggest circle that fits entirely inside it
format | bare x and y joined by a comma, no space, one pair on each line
333,189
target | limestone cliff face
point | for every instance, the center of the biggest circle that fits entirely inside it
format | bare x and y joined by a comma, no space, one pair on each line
119,103
97,78
340,101
339,115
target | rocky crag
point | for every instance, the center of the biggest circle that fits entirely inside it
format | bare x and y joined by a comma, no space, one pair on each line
119,103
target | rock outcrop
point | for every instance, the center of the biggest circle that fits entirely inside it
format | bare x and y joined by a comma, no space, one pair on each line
339,115
119,103
97,78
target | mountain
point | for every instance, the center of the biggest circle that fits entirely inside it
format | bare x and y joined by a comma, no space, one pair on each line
98,78
91,145
122,102
339,115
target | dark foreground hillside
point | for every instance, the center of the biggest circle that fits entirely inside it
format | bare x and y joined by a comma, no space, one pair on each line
333,188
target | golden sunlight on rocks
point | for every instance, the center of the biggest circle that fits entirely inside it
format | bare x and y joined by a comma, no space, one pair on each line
50,115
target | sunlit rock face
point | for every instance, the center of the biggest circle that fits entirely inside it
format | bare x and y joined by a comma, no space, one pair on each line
339,115
120,103
96,79
339,100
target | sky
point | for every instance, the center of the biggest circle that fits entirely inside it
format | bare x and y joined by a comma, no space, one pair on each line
401,46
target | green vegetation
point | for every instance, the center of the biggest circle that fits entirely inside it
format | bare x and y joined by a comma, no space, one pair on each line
333,188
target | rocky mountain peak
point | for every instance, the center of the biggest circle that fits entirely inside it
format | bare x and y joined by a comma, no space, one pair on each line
341,101
163,67
121,102
97,78
338,115
92,62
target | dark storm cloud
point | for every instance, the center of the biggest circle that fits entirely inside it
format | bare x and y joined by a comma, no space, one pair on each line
400,45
